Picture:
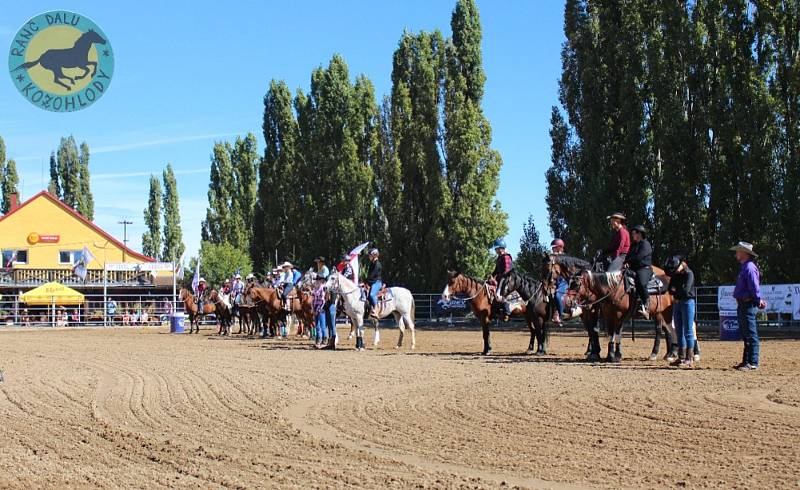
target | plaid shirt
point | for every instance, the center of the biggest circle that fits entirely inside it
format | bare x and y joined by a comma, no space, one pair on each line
318,299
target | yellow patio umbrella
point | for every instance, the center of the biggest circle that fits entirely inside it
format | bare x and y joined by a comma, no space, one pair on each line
52,293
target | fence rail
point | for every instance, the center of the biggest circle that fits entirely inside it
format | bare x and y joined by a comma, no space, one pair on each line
155,308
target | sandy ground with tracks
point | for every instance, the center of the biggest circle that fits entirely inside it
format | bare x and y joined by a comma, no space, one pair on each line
143,408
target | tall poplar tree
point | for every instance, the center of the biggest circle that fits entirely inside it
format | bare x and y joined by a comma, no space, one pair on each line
151,239
54,187
217,227
85,201
472,167
173,236
69,172
245,167
276,198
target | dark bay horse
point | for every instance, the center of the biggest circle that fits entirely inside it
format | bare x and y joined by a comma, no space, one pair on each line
536,307
214,306
609,290
55,60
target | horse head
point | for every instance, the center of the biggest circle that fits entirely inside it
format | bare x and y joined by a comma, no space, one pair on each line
454,285
92,37
332,283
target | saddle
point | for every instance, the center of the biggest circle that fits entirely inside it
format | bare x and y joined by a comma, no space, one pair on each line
384,294
654,286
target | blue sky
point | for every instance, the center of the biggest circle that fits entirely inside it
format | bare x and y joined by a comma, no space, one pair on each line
191,73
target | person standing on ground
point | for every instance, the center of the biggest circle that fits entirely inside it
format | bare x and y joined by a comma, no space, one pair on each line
318,306
748,301
681,287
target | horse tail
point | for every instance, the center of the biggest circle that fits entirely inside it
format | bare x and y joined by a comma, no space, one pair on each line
413,311
28,64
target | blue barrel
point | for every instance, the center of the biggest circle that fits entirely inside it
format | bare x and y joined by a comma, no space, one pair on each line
729,326
176,322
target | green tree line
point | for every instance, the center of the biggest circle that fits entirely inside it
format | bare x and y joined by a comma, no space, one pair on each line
414,173
683,115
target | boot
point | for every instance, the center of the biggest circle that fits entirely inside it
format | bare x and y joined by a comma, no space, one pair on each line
677,362
645,309
688,358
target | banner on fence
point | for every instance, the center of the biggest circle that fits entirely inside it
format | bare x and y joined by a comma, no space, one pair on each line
781,298
145,267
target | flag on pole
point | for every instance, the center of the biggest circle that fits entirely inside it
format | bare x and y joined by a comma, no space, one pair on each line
80,268
353,256
179,266
196,278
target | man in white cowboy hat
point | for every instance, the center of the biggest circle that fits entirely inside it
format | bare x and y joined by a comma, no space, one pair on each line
748,300
289,278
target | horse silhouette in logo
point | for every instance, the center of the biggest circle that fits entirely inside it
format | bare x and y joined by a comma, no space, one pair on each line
77,56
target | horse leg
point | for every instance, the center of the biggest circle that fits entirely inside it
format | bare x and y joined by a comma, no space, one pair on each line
377,337
531,345
58,75
487,347
610,332
85,72
538,324
617,342
656,344
93,64
410,324
400,326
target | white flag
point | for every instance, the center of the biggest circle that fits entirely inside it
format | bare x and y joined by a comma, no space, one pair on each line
196,278
353,255
81,265
179,266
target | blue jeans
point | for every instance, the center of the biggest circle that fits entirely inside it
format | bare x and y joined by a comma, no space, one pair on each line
683,315
561,290
322,329
330,319
373,292
746,314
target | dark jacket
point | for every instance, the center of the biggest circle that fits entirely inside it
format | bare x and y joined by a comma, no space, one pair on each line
681,284
640,255
374,272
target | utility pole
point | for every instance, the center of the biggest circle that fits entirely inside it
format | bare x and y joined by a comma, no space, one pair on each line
124,224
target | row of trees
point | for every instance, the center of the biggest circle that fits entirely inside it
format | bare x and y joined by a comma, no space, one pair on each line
684,115
163,242
414,174
69,176
9,180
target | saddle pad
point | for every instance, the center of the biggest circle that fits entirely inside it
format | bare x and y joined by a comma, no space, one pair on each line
655,286
385,295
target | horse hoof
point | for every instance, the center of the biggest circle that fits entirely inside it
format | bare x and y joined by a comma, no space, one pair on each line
530,352
653,357
593,357
396,347
487,353
540,353
617,360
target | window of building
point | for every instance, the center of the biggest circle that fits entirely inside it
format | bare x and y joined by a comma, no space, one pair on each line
11,257
69,256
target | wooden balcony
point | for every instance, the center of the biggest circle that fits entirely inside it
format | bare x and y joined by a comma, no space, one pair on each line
18,277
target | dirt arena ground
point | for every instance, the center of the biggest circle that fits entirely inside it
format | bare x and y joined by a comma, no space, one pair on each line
143,408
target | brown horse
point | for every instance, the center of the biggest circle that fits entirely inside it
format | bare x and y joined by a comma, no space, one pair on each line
303,309
214,306
266,304
480,300
536,310
617,304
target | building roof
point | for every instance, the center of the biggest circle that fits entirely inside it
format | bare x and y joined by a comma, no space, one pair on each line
47,195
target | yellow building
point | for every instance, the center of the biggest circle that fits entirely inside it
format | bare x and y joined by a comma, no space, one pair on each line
42,238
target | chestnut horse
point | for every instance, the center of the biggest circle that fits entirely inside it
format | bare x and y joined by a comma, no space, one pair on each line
214,305
266,303
608,289
479,297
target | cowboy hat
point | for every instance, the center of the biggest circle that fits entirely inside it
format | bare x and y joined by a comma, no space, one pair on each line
672,264
640,229
286,264
744,247
320,259
617,215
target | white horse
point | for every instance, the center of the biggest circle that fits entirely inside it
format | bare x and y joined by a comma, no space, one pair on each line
355,305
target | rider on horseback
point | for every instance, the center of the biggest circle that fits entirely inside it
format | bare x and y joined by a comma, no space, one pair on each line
640,260
346,269
620,243
288,280
557,248
237,291
503,265
374,280
200,292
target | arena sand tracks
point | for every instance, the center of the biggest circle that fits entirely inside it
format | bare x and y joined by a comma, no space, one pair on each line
139,408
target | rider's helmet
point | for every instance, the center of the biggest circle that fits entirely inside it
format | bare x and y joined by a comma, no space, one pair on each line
557,243
499,243
374,251
672,264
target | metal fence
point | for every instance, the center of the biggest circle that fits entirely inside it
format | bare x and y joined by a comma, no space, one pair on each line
154,309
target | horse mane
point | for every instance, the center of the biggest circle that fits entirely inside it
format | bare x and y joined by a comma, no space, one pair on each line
453,274
523,283
570,261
